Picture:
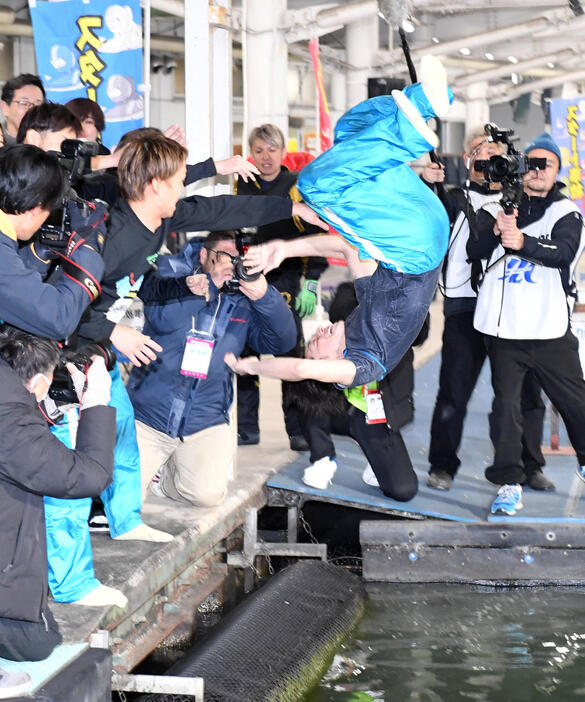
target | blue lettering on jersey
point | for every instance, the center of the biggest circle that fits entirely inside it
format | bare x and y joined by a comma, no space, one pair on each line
518,270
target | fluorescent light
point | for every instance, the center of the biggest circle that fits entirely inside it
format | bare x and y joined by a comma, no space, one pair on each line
550,64
512,59
489,57
465,51
515,78
435,40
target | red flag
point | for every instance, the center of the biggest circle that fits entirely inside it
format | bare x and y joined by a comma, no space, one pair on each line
324,121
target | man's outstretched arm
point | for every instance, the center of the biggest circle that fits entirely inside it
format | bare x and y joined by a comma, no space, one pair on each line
339,371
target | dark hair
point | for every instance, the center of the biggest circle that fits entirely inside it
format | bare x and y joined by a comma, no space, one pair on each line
213,237
19,82
29,177
28,354
48,117
139,132
83,108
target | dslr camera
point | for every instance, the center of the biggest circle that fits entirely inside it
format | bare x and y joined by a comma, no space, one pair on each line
507,168
74,158
245,238
62,391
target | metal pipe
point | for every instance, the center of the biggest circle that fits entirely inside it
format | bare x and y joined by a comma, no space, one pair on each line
503,70
345,14
171,7
505,95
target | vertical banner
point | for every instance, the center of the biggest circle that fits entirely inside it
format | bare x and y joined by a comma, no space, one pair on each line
325,139
93,49
568,130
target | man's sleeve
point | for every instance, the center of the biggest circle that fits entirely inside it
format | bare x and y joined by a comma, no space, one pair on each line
198,171
50,310
487,241
272,326
562,247
37,461
197,213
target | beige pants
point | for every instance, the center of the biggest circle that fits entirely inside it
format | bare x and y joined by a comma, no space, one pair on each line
194,470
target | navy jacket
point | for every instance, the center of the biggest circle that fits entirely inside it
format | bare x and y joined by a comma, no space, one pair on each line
181,405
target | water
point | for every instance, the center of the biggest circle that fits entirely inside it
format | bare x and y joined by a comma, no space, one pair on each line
445,643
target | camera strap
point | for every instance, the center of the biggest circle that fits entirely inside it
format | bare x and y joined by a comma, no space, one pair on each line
81,276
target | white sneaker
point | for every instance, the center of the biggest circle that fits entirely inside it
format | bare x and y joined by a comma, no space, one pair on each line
433,78
369,477
12,684
155,483
412,114
320,473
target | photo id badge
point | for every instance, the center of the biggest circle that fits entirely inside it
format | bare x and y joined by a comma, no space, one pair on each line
197,355
374,408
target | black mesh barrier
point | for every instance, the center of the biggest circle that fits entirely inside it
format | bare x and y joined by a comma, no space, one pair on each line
277,643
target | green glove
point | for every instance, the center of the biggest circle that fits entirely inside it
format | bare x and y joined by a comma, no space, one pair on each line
306,299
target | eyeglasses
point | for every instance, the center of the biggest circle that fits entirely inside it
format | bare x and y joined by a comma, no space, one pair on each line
220,254
27,104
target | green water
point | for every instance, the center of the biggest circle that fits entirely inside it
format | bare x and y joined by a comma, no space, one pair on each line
445,643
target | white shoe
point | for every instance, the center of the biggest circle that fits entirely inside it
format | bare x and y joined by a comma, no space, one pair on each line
103,596
12,684
415,118
143,532
320,473
155,483
433,78
369,477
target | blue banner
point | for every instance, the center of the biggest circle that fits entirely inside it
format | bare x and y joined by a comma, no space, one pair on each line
93,48
568,130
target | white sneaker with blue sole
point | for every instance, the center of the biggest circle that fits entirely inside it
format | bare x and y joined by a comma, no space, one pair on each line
508,501
320,473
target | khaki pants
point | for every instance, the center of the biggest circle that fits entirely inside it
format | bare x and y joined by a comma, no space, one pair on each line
194,470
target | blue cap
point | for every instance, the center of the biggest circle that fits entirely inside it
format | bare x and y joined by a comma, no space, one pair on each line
544,141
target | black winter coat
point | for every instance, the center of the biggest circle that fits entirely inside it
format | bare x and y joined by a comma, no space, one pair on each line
34,463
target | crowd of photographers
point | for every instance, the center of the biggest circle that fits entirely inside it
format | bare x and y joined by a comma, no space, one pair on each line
79,242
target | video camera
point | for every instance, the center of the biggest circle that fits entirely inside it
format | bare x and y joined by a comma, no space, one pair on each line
507,168
245,238
74,158
62,391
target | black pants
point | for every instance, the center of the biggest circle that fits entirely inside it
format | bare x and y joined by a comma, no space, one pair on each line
28,641
249,385
384,449
462,358
557,368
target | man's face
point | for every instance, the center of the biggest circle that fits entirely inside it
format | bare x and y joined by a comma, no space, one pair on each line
327,342
481,150
24,98
540,183
39,385
217,261
170,191
267,158
28,223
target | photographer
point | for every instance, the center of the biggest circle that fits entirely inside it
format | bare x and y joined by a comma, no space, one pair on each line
186,443
523,310
33,463
463,350
31,185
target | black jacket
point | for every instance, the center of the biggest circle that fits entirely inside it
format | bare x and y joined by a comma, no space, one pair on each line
34,463
131,249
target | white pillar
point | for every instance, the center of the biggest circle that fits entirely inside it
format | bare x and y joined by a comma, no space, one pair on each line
197,80
222,96
477,109
265,65
362,42
338,96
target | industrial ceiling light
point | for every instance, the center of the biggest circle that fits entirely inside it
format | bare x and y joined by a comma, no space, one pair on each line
435,40
464,51
489,56
512,59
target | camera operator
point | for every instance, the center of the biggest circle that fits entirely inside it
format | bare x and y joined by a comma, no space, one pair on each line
186,443
463,350
523,310
31,185
33,463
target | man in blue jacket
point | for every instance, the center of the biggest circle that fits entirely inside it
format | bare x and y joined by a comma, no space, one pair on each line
182,400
